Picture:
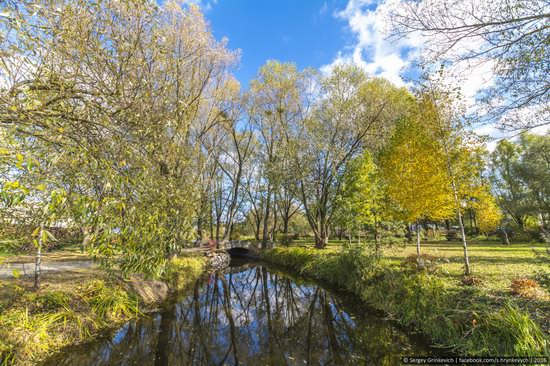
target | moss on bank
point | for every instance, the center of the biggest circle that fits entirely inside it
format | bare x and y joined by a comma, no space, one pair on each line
70,310
465,319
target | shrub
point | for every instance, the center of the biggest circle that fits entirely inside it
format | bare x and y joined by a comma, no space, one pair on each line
287,239
453,235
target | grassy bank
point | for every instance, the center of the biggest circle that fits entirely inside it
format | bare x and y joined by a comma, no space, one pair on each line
75,307
470,319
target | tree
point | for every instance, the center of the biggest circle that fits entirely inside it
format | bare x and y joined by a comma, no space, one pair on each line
113,97
351,112
534,171
361,200
462,150
488,214
275,106
414,173
519,173
509,37
510,190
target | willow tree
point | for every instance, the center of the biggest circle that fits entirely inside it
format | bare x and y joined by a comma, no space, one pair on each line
113,92
351,111
413,170
276,100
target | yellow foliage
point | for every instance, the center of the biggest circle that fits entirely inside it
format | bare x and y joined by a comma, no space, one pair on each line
414,172
488,213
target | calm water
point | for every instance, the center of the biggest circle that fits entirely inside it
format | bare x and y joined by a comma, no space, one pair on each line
253,315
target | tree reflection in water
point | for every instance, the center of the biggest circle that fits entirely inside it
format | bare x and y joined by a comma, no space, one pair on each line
253,315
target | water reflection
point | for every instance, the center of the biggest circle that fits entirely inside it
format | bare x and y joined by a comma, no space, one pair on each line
252,315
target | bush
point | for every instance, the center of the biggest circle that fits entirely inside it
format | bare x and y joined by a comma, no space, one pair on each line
287,239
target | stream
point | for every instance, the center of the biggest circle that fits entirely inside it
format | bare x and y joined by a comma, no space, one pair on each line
253,314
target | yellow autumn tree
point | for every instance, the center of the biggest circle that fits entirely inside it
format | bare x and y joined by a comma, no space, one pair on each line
461,149
489,216
413,169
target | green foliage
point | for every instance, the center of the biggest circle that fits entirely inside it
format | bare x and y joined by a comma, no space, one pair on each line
519,173
112,129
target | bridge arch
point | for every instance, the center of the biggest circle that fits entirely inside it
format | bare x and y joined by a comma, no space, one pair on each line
238,252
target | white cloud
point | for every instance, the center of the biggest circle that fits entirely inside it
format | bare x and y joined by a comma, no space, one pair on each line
370,50
368,22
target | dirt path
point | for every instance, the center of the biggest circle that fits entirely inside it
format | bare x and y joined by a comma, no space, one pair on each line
27,268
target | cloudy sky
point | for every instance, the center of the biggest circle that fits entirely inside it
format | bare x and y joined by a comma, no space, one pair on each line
318,33
309,33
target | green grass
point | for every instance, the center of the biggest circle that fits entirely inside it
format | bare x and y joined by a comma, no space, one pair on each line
72,308
496,264
476,320
64,252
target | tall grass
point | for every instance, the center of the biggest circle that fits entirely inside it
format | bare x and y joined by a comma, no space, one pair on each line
466,320
37,324
181,272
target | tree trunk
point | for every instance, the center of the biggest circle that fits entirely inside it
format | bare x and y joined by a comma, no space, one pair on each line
257,230
199,228
219,231
467,270
505,238
417,239
85,238
273,233
211,222
266,219
321,240
38,258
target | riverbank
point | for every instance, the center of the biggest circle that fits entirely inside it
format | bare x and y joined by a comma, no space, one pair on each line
77,306
465,318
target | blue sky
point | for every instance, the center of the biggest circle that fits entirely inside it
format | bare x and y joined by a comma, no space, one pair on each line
304,32
311,33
